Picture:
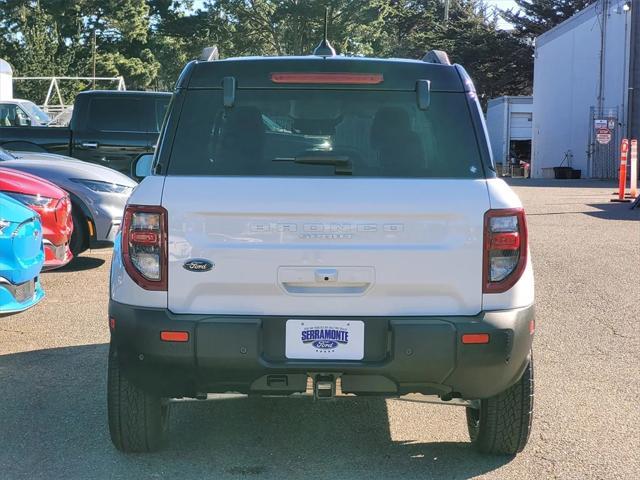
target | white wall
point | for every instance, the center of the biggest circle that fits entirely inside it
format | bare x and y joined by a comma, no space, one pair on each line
565,84
6,81
504,123
497,128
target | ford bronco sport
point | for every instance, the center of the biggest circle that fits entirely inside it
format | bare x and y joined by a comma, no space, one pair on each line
326,218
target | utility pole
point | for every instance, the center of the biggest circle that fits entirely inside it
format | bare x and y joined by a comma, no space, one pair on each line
603,44
447,3
94,58
633,98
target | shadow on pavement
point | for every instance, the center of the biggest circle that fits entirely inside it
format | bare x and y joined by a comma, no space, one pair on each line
53,424
79,264
614,211
552,182
605,211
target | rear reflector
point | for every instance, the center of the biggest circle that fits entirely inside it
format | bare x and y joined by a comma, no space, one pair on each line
112,323
170,336
505,241
471,338
144,237
328,77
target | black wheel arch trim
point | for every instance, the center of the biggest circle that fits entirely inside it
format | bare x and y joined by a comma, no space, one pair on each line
75,200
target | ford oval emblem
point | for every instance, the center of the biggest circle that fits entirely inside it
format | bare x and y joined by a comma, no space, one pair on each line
198,265
325,344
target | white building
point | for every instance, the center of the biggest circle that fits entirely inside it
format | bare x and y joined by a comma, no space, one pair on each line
581,96
6,80
509,122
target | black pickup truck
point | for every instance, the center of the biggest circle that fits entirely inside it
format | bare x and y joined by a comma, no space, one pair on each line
110,128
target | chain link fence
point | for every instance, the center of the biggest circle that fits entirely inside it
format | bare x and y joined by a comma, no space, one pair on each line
604,143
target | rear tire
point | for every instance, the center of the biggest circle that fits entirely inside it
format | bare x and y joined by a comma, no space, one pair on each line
138,420
80,236
501,425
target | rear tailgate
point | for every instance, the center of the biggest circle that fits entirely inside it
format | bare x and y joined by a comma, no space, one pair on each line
325,246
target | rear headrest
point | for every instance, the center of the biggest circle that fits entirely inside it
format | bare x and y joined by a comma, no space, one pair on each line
389,122
243,136
245,119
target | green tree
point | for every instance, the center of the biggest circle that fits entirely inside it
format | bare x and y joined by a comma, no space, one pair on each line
295,27
150,41
55,37
179,34
534,17
493,57
38,53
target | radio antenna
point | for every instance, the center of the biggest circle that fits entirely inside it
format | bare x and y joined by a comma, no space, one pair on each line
326,23
324,48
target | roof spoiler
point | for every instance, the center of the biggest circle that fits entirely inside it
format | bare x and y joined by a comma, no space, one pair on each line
209,53
437,56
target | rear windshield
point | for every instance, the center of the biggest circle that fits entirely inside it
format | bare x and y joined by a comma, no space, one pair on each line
109,114
34,110
290,132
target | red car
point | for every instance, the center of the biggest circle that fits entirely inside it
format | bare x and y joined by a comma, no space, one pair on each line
53,205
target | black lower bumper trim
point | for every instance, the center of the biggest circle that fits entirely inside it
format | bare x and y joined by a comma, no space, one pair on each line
247,354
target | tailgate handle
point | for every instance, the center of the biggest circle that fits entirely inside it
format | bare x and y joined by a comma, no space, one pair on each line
326,280
349,289
326,275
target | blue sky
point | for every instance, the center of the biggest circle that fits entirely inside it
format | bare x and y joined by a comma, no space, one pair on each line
503,5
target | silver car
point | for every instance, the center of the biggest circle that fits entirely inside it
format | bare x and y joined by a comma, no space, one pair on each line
98,194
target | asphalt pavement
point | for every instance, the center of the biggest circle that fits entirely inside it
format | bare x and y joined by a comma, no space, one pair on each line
586,254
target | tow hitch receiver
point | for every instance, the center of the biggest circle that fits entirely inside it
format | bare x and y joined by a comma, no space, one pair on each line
324,386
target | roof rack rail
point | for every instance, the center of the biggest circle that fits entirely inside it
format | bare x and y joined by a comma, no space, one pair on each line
437,56
209,53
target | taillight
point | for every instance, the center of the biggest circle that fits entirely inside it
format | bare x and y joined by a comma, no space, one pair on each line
505,249
144,245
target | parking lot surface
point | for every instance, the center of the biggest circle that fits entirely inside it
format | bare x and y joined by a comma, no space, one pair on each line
586,254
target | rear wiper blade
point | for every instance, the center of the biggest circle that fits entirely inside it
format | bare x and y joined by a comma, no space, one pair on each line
341,162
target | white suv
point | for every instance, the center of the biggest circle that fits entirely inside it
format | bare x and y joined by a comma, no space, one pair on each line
330,218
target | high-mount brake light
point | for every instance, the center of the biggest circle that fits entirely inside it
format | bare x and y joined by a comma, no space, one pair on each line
337,78
505,249
144,245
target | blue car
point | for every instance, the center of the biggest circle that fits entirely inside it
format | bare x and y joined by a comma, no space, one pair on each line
21,256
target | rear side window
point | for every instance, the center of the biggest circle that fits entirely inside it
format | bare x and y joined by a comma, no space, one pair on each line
12,116
116,114
288,132
161,105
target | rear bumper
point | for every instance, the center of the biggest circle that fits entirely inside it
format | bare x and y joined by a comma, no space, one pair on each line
246,354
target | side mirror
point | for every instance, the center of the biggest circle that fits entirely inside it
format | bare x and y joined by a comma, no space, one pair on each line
141,166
